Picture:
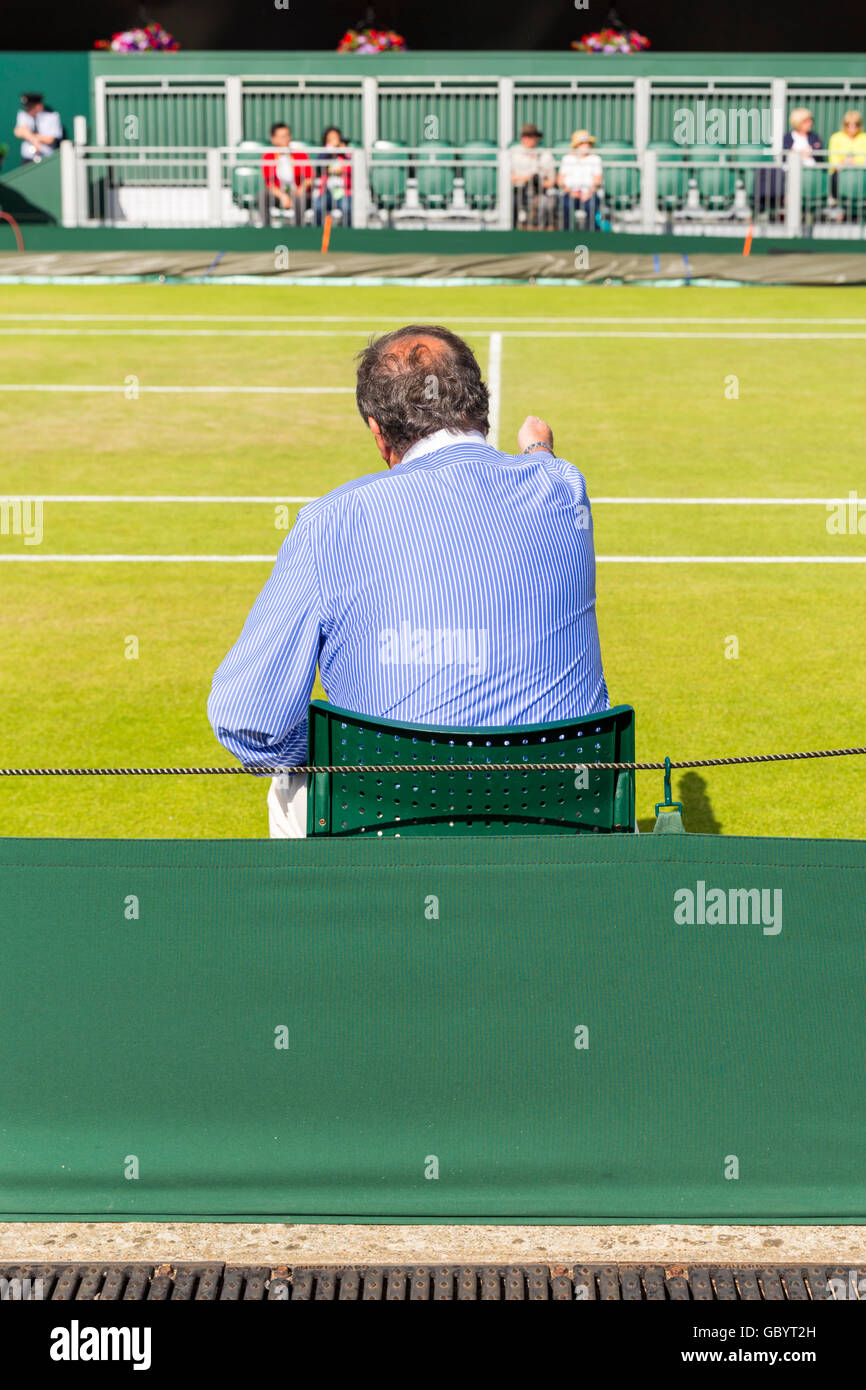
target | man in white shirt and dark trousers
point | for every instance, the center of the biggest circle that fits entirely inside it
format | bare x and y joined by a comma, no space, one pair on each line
40,130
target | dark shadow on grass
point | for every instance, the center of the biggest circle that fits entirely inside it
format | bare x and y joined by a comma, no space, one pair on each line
699,817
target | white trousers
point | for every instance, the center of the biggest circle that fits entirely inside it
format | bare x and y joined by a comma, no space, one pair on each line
287,807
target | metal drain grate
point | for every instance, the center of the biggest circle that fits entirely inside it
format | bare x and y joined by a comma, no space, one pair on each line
443,1283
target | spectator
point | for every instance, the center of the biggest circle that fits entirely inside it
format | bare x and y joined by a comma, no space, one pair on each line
38,128
848,145
288,172
580,177
801,137
533,174
847,149
334,178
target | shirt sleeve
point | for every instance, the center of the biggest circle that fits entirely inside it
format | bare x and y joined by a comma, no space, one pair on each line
261,691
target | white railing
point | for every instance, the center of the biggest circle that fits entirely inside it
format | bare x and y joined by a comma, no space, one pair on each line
667,188
177,108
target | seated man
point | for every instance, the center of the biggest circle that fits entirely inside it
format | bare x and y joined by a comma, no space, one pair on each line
288,173
39,129
455,537
533,176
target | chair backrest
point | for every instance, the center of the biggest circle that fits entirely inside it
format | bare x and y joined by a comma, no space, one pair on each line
389,167
462,798
667,151
247,185
672,182
621,184
706,154
851,189
434,170
616,152
716,182
478,167
814,182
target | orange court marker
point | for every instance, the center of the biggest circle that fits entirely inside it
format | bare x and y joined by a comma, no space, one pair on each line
747,244
326,234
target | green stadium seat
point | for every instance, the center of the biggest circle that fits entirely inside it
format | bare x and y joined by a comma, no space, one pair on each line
248,184
456,801
672,176
814,187
716,179
388,173
621,185
745,159
851,192
616,151
435,171
667,151
478,167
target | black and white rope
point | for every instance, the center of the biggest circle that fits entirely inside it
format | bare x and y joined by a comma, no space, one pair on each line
407,768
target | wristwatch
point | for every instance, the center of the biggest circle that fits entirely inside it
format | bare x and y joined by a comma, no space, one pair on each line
537,444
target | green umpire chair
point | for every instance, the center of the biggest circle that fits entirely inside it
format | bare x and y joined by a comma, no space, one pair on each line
462,797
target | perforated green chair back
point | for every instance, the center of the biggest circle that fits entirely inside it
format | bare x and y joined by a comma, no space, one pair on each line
462,798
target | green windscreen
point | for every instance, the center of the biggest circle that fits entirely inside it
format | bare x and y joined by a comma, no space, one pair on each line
589,1029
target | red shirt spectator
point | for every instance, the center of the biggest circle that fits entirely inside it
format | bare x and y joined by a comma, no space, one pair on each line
283,166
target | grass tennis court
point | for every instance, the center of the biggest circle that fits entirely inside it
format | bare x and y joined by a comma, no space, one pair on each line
753,396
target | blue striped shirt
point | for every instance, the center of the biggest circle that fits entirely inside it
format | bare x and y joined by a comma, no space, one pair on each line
458,588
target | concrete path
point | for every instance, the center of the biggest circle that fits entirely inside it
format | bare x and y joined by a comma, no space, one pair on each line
134,1242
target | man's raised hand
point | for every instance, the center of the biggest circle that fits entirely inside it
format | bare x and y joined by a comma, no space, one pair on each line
534,431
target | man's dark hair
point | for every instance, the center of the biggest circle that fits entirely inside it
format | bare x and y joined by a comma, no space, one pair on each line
420,379
280,125
31,99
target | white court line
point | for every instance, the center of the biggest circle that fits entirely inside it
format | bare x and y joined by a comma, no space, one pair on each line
494,383
600,559
596,501
186,390
354,333
399,318
107,497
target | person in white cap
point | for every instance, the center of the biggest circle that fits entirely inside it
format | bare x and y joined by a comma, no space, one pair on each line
580,177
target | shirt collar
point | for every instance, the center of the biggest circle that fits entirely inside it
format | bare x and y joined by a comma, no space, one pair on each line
440,439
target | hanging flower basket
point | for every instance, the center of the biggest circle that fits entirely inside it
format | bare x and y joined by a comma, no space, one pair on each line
153,39
371,41
611,41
